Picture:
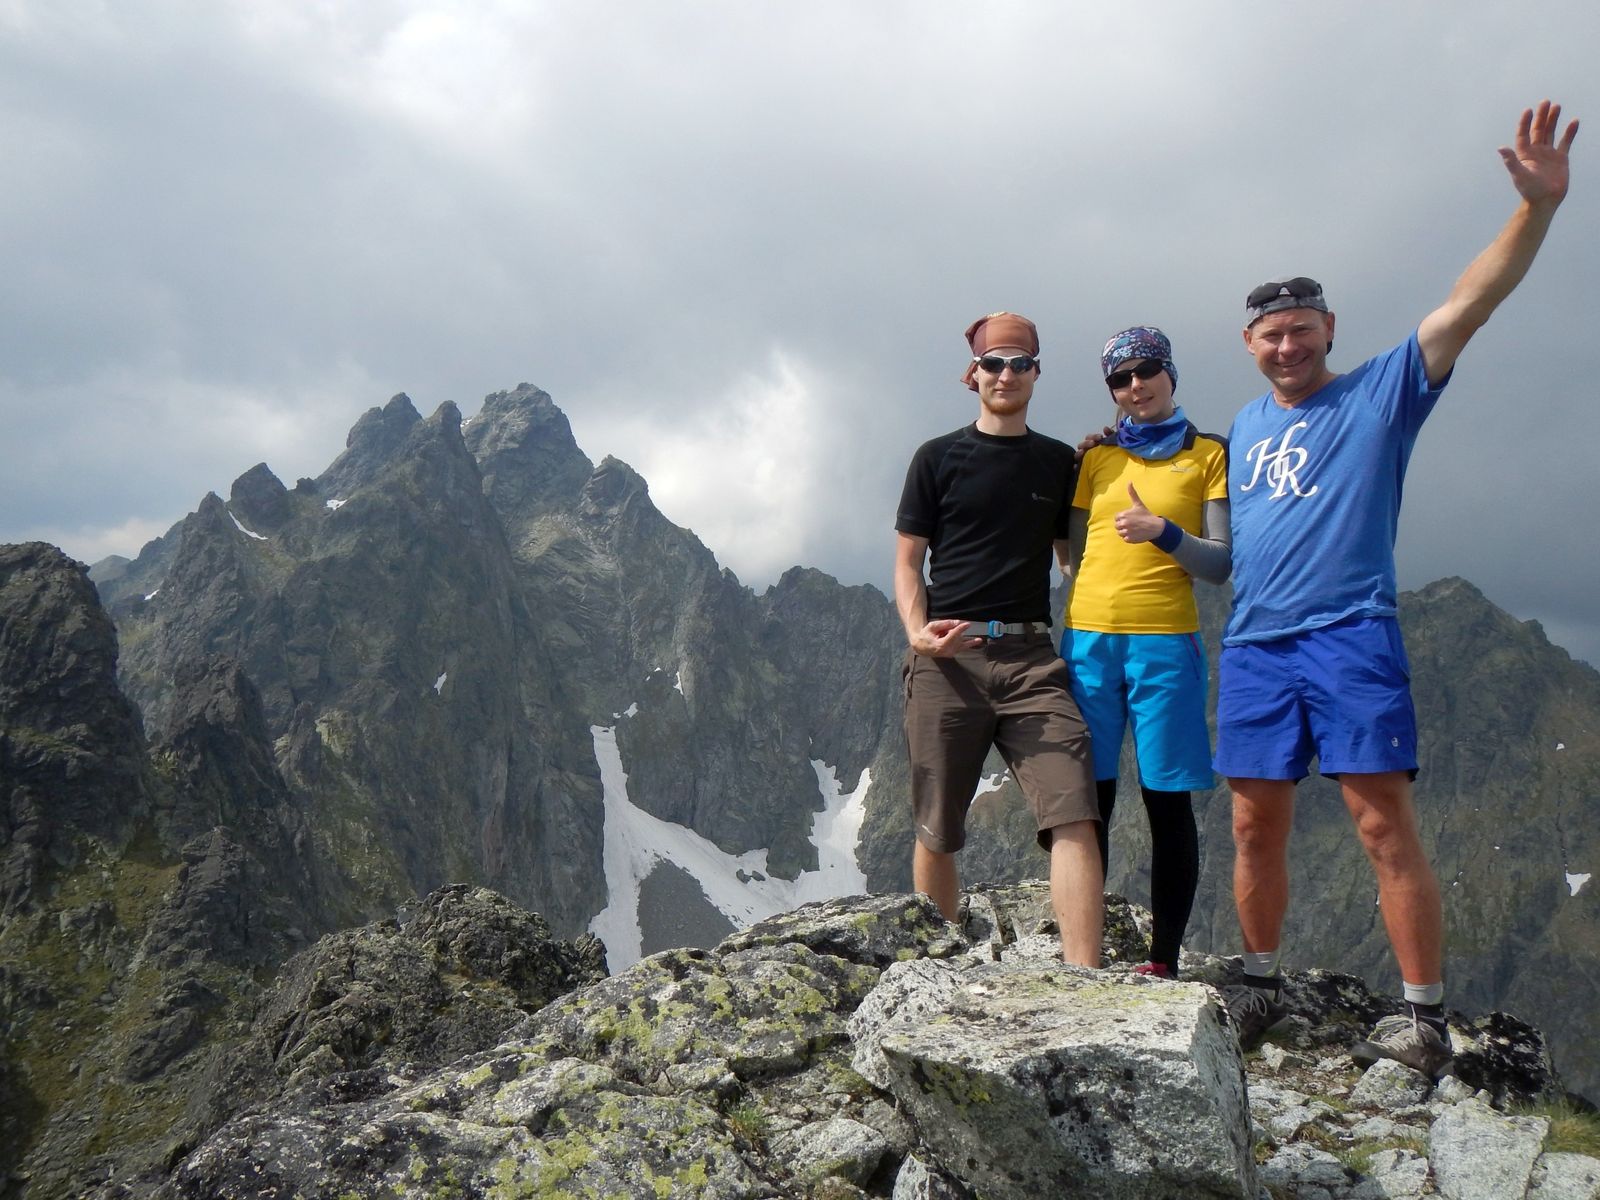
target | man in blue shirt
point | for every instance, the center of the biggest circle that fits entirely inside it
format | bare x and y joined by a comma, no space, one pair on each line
1312,664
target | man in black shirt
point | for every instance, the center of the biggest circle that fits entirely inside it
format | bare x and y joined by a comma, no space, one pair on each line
989,502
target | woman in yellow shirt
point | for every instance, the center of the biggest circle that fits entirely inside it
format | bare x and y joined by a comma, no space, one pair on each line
1149,516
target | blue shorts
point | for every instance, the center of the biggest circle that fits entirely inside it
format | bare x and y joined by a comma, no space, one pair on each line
1157,683
1341,693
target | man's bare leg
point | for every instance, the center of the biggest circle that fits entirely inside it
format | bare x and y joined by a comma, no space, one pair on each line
1263,813
1408,891
1077,891
933,873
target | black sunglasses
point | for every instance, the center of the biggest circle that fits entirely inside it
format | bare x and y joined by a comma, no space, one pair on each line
1299,287
994,363
1148,369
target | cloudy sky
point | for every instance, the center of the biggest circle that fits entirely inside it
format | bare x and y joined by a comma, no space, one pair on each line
738,242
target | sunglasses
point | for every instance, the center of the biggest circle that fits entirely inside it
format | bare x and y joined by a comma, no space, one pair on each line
1300,288
994,363
1148,369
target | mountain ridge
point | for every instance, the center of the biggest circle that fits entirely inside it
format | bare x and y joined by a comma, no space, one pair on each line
603,602
384,680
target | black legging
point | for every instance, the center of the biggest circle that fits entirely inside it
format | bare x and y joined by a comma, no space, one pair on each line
1174,863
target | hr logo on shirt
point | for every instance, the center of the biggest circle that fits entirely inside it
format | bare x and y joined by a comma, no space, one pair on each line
1281,466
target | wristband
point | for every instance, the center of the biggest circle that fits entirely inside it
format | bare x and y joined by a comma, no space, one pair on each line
1169,537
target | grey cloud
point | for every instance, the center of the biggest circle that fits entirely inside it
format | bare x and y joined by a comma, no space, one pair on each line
637,206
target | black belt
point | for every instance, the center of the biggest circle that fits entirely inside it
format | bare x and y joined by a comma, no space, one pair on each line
998,629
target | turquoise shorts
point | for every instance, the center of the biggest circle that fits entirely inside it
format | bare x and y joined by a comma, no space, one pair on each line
1155,682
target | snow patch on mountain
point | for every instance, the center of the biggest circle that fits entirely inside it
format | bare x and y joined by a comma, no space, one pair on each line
991,783
737,885
247,532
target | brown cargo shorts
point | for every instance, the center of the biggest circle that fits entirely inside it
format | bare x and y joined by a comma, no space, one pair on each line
1015,694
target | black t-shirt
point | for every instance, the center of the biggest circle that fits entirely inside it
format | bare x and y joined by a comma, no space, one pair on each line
990,508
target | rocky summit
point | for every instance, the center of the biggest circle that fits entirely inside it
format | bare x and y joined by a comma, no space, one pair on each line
860,1047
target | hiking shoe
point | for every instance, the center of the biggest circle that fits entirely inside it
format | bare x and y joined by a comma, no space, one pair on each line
1407,1040
1254,1012
1159,970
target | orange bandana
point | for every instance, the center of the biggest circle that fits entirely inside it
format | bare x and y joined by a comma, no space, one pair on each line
999,329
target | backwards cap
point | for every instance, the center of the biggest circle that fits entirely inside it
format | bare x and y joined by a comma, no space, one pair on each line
1278,294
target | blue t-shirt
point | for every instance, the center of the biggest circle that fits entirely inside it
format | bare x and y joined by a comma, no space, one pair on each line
1314,493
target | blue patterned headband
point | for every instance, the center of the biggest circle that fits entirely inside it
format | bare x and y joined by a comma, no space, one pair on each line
1142,341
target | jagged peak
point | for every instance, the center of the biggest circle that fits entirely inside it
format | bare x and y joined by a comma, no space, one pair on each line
70,741
440,431
24,558
616,497
259,498
1467,605
799,579
524,420
525,392
1450,585
799,576
394,419
372,441
613,484
525,397
399,405
446,418
258,474
210,517
525,450
612,465
203,534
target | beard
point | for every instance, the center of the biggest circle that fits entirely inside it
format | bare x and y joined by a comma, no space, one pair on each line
1006,404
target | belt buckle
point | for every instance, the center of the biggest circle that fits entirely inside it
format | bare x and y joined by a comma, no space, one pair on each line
996,629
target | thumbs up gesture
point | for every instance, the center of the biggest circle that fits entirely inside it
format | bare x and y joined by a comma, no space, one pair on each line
1136,523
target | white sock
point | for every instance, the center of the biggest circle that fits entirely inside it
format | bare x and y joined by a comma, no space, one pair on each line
1424,993
1261,966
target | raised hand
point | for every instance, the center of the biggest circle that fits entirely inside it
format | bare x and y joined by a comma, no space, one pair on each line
1137,523
1538,163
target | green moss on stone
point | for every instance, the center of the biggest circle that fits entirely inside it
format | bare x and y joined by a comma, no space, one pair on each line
962,1088
611,1115
718,998
1359,1157
694,1175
